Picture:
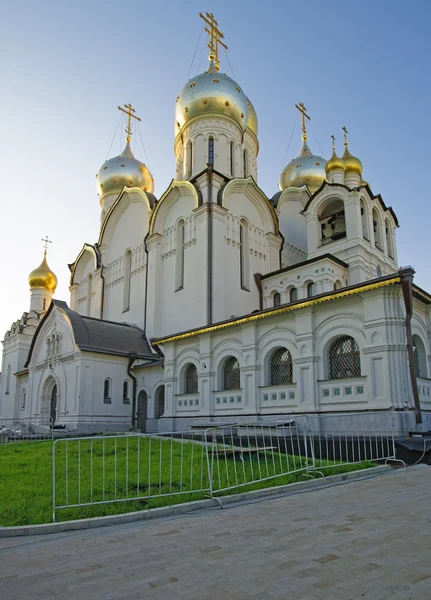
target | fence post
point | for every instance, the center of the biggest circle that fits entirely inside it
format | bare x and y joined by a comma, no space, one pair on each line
53,482
209,466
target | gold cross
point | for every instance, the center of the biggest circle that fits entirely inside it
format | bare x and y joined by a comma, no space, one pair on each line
46,241
302,110
345,135
333,142
215,37
130,115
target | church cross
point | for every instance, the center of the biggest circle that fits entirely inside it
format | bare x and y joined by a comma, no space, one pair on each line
302,110
333,142
345,135
129,111
46,241
215,38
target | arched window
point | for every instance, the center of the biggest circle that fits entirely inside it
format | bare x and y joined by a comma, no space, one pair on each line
310,289
211,152
191,380
337,285
89,291
280,367
277,299
377,226
159,405
23,395
344,358
189,159
293,295
232,159
419,357
107,391
127,280
44,304
332,221
231,374
389,239
364,221
8,372
245,163
126,399
179,271
244,255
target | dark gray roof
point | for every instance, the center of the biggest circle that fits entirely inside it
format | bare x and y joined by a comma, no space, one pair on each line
106,337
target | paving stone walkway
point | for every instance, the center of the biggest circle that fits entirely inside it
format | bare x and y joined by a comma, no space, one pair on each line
367,540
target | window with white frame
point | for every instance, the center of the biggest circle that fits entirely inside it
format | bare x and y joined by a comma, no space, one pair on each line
245,163
127,280
191,379
126,399
8,373
23,395
293,294
107,391
232,158
179,267
189,159
211,152
277,299
244,255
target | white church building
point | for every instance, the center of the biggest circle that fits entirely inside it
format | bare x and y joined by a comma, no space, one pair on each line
215,301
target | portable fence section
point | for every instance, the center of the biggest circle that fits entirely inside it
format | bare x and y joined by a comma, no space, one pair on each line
243,454
13,431
127,468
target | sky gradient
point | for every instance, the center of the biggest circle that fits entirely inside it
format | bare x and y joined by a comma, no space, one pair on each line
66,66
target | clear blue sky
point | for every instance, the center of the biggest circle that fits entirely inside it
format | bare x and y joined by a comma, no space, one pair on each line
66,66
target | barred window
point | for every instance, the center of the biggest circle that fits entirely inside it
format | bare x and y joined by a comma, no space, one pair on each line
277,299
280,367
231,374
344,358
191,380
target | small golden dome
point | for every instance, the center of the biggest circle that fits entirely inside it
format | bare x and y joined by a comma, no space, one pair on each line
334,163
252,118
306,169
211,93
352,164
123,170
43,277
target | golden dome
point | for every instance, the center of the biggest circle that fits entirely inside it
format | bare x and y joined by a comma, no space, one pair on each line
334,163
43,277
352,163
306,169
211,93
123,170
252,118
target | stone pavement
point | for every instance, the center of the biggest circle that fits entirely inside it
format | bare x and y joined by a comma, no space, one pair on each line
368,539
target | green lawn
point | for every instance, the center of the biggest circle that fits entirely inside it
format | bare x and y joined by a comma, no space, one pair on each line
157,472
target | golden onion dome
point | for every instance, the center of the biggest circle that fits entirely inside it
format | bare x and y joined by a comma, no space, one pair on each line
43,277
352,164
306,169
334,163
252,118
123,170
211,93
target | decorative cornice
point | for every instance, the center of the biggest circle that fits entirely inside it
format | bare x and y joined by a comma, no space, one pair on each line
278,311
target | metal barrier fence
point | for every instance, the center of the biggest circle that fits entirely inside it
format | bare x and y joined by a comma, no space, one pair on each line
142,467
12,431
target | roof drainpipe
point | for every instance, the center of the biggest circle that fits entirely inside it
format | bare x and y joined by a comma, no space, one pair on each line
407,288
132,359
210,247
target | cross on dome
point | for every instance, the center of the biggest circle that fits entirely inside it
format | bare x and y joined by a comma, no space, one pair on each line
215,37
46,241
346,143
129,111
302,110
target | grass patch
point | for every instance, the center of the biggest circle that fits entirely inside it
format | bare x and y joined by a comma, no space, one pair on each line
160,472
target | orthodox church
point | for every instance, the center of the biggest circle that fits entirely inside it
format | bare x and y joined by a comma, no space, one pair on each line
215,301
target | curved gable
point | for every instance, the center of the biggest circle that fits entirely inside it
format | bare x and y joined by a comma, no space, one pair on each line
176,190
88,253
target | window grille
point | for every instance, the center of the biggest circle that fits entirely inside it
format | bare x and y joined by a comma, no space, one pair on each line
416,360
344,358
231,374
211,152
277,299
107,391
191,380
281,367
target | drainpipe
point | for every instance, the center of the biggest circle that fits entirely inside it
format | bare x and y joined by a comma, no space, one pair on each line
407,288
132,359
210,248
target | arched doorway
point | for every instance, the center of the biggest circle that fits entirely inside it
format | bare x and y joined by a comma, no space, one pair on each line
141,414
53,405
159,405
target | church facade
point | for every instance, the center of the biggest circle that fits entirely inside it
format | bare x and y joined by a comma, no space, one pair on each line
215,301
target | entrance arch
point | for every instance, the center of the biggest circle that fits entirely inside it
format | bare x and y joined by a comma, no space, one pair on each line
53,405
49,401
141,414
